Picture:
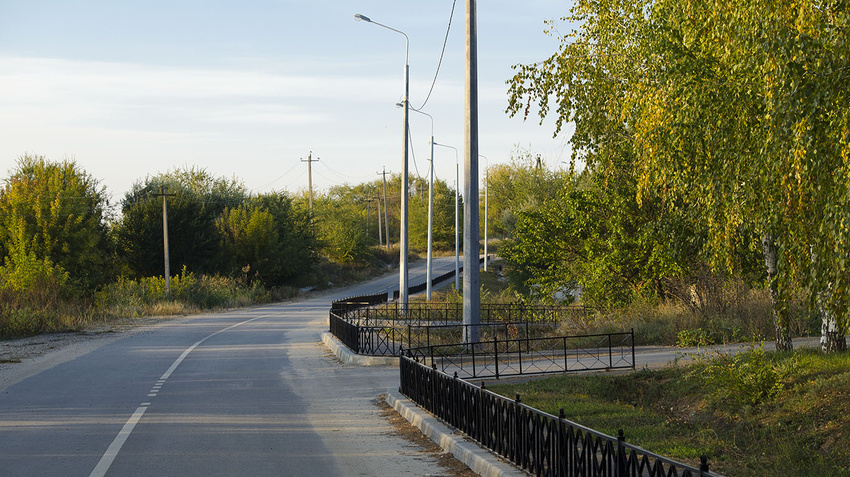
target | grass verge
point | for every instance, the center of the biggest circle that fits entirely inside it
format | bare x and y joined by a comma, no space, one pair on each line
754,414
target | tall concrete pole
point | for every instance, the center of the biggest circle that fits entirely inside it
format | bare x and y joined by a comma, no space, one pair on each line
486,194
430,221
165,241
402,279
457,202
386,217
310,162
380,234
457,224
471,273
430,257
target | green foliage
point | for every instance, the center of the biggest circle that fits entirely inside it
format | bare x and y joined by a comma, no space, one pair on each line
25,271
737,110
35,296
128,297
593,234
749,378
296,253
524,184
195,201
801,429
695,337
443,227
55,213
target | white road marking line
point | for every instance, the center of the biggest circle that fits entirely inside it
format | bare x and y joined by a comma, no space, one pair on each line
112,452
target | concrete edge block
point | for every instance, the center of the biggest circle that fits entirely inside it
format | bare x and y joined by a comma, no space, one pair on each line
479,460
346,356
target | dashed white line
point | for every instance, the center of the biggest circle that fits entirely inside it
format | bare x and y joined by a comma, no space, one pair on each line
112,452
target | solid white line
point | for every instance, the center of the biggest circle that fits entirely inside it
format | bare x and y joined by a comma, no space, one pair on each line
112,451
110,454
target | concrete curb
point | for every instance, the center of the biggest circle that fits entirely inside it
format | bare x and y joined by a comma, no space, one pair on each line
346,356
481,461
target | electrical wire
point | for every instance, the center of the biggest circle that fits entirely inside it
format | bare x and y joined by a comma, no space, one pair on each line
442,53
280,177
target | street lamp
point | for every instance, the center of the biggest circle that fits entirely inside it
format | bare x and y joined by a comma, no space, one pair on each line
402,280
486,193
457,201
430,256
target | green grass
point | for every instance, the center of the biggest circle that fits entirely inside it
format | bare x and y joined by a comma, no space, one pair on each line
716,407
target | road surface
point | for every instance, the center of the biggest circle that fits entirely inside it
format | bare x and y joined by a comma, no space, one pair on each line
249,392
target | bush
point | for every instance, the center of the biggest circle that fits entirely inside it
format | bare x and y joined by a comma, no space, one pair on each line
696,337
748,378
36,296
189,292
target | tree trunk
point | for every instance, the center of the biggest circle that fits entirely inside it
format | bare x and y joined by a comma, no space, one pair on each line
782,335
832,337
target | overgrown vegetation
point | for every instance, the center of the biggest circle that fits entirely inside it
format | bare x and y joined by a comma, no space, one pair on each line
66,261
757,413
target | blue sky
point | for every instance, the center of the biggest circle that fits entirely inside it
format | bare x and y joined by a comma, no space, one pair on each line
249,88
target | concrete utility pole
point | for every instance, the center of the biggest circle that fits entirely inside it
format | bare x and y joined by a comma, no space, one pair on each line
380,237
486,193
471,273
165,240
310,162
386,217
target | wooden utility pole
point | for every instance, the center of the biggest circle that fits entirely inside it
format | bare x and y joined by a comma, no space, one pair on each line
310,162
471,274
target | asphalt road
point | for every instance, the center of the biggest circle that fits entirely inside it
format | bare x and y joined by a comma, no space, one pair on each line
248,392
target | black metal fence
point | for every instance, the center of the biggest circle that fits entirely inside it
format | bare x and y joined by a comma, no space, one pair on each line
538,442
385,328
516,356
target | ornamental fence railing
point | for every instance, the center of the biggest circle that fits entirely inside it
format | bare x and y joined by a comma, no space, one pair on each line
368,326
540,443
514,355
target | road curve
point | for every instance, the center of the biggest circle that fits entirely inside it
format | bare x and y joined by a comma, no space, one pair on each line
244,392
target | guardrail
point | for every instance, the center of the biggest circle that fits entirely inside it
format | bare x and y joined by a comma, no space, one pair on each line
498,358
538,442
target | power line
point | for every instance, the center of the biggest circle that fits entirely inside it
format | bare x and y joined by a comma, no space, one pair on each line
442,53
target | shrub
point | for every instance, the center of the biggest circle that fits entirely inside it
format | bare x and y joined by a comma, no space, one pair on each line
748,378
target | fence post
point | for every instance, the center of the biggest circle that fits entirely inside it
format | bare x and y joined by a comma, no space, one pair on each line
563,451
703,465
455,404
496,353
633,348
610,352
621,454
518,440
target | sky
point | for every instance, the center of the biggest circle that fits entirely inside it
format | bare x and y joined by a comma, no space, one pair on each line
248,89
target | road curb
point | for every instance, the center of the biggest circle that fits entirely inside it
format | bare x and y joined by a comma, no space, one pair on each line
346,356
481,461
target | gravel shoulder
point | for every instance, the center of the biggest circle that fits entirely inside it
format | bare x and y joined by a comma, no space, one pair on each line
21,358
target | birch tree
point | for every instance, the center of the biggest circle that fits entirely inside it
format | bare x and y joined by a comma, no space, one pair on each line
739,107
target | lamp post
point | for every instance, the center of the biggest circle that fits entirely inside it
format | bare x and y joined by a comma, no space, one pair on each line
430,256
402,281
486,193
457,202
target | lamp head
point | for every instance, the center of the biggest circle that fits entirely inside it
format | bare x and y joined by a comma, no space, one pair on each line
360,17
